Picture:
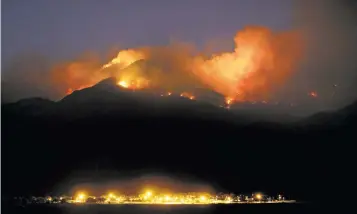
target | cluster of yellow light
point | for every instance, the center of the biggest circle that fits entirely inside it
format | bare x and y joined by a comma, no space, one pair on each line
229,199
175,198
150,197
111,197
259,196
80,198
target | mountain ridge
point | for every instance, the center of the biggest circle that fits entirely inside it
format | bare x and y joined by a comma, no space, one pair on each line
106,95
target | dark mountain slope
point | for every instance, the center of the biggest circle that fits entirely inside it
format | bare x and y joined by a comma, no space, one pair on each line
346,117
106,98
120,130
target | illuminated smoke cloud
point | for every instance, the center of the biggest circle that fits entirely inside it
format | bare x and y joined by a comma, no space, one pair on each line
261,62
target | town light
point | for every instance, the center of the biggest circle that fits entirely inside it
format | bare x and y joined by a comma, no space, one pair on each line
259,196
167,198
170,198
148,193
80,197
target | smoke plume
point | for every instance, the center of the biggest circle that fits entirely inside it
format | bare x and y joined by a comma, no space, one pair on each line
315,60
260,63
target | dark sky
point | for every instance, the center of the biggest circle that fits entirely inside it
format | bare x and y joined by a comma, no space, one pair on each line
62,29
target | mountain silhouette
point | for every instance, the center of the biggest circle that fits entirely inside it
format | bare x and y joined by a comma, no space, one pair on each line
345,117
107,98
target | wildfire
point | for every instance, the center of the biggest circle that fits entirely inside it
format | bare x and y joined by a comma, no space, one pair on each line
187,95
229,100
135,84
125,58
123,84
261,61
70,90
166,94
313,94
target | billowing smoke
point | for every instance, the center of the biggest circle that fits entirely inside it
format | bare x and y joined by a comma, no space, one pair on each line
315,60
260,64
261,61
34,75
77,74
167,67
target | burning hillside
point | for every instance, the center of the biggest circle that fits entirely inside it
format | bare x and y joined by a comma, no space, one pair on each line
261,62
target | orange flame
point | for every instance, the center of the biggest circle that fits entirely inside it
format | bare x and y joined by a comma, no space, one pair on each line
70,90
123,84
261,62
125,58
187,95
134,84
229,100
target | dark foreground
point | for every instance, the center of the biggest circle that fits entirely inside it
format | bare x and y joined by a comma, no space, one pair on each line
101,134
300,208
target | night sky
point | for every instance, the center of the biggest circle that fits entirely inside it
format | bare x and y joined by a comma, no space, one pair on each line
64,29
